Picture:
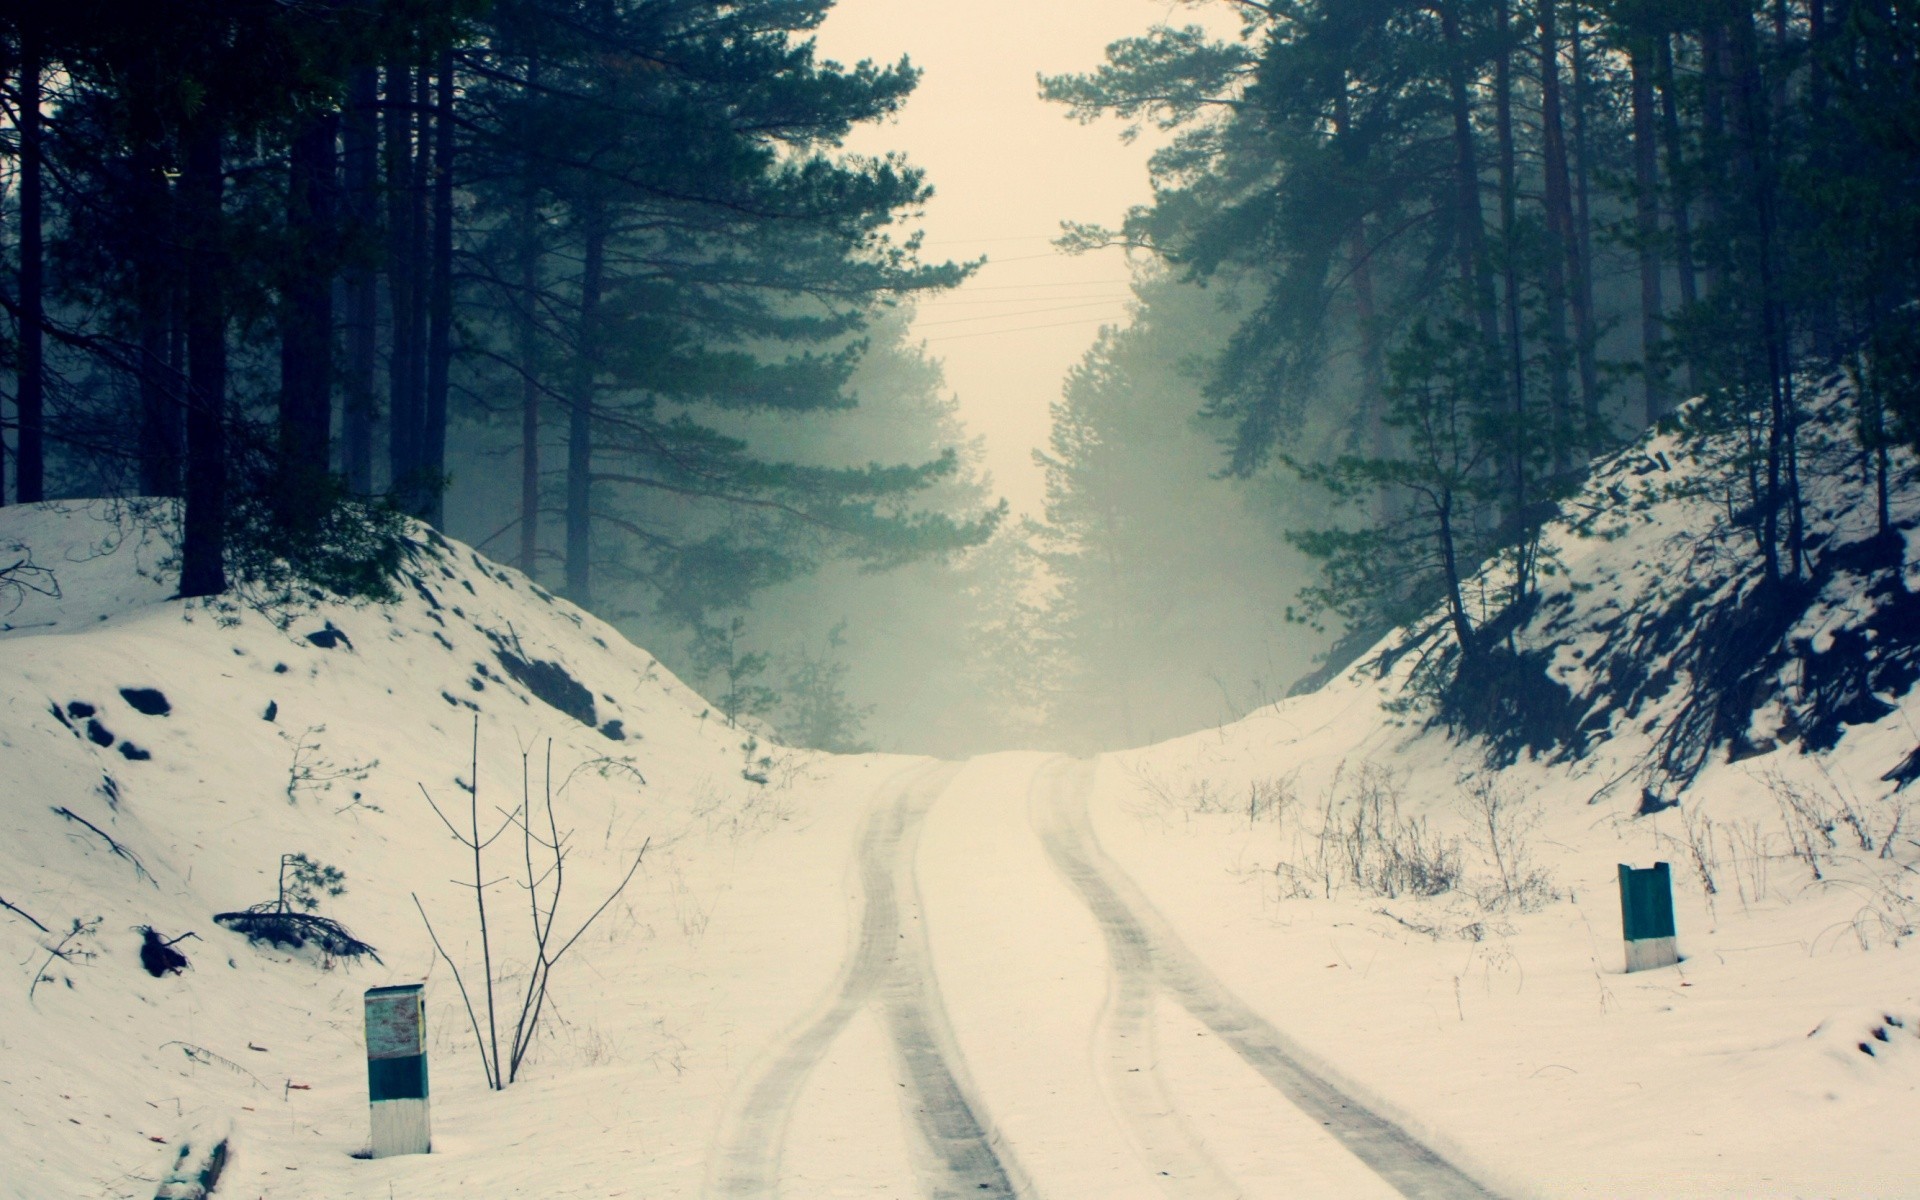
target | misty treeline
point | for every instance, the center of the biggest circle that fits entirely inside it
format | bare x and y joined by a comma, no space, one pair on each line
1466,245
589,283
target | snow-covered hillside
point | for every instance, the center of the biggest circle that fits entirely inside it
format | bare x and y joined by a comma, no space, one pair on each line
1672,716
205,742
1334,949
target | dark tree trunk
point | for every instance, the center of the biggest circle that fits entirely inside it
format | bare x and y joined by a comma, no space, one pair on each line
433,441
403,398
1714,74
306,329
580,415
1510,290
157,272
203,544
1646,179
420,247
360,141
1559,213
1475,274
30,396
1752,139
1679,188
1580,249
528,350
1373,392
1450,566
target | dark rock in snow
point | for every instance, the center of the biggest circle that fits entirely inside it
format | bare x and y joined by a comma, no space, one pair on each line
273,710
614,730
99,734
133,753
549,681
150,702
157,954
79,710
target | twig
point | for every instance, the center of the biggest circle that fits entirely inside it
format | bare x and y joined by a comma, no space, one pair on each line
201,1054
59,950
29,917
611,897
480,893
118,850
461,983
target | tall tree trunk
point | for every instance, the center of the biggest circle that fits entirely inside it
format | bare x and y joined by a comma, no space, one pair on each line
203,544
1559,213
1679,189
1450,567
1517,482
420,248
1475,273
580,412
527,349
156,267
1714,75
440,302
30,396
1580,249
1373,392
360,142
1646,180
306,330
1753,133
403,398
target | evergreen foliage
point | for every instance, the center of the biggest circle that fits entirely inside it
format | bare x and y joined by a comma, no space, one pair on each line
603,228
1493,238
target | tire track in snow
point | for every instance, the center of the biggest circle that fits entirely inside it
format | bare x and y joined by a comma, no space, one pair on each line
890,964
1126,1047
1157,957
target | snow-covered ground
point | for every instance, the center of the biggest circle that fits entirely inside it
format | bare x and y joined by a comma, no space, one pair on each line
1146,975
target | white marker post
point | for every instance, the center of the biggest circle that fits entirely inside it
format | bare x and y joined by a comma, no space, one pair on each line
1646,917
397,1070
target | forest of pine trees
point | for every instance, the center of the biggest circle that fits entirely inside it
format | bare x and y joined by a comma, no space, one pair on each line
1477,242
592,285
525,270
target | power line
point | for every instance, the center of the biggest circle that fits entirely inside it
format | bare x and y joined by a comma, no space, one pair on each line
1028,312
955,337
1029,299
971,286
1030,237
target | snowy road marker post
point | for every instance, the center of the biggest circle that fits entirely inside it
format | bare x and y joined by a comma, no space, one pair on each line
397,1069
1646,916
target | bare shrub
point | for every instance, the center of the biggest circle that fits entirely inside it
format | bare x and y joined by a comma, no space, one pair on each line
1751,849
1272,797
1809,822
1698,840
1382,850
545,848
1500,824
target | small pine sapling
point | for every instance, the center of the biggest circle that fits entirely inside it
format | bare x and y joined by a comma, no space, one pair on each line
291,919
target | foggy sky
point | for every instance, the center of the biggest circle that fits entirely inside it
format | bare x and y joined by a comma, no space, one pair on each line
1007,169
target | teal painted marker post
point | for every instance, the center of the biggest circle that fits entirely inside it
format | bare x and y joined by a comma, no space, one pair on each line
1646,916
397,1070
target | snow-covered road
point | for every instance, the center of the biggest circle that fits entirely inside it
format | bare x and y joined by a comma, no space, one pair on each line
1046,1031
